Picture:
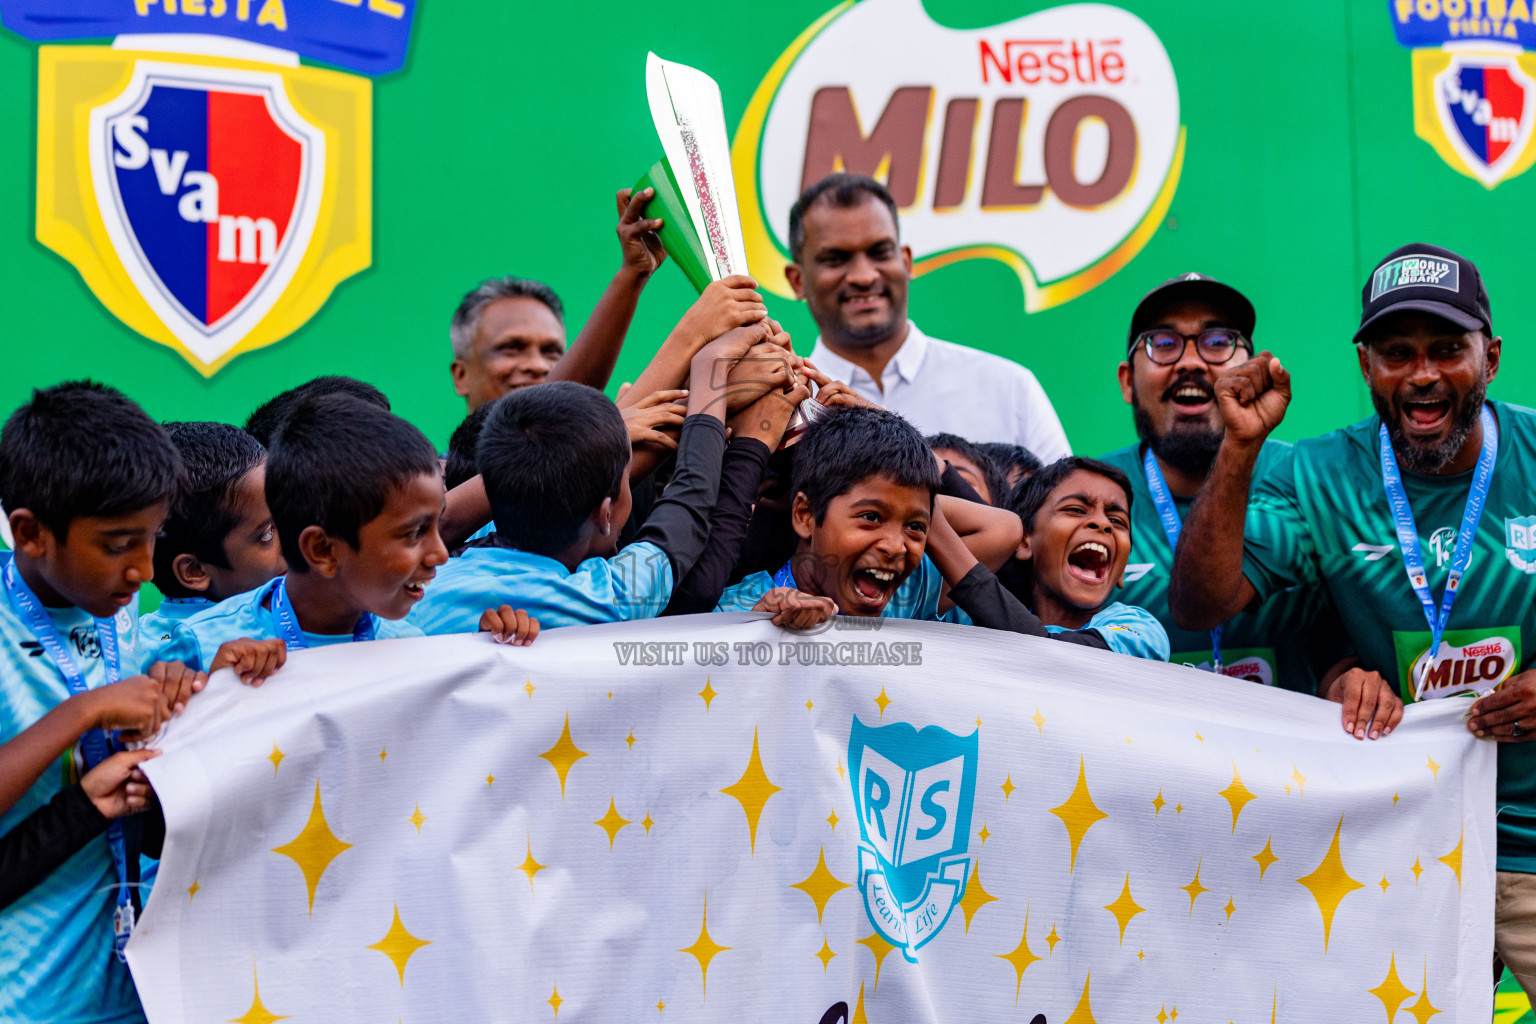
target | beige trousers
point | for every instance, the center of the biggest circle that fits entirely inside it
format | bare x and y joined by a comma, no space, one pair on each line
1514,927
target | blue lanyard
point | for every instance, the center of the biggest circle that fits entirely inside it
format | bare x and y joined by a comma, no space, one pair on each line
1172,527
1408,535
784,577
95,745
287,622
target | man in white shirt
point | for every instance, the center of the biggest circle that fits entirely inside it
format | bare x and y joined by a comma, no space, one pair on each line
852,271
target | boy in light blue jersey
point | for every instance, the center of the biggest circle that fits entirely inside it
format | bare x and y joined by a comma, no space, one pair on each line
219,540
1077,536
555,461
356,495
86,479
865,487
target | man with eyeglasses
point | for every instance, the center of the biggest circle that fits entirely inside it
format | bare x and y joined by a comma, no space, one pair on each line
1183,335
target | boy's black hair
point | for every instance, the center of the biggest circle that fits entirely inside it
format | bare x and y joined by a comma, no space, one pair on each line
460,464
84,449
215,456
991,473
841,190
333,465
549,455
264,423
853,444
1031,493
1012,458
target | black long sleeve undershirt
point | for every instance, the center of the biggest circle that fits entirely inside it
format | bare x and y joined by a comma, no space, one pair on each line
45,839
746,459
679,521
982,596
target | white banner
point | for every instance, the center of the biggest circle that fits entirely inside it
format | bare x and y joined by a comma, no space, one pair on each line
706,819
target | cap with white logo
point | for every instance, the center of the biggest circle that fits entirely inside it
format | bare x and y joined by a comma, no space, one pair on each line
1428,279
1192,287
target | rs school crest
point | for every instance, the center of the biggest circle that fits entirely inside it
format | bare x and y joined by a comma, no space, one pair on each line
913,792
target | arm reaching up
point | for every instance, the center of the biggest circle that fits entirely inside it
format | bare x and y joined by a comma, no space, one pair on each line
1207,586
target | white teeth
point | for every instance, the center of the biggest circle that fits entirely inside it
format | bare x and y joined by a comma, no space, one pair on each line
1094,546
1190,392
882,575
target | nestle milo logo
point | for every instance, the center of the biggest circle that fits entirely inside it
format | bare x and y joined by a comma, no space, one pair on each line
1415,271
1468,660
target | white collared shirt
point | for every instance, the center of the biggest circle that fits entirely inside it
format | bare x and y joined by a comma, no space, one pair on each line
941,387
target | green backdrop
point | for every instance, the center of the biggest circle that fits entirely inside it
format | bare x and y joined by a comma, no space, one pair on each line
499,146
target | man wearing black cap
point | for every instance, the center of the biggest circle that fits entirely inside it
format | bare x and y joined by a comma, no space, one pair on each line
1453,613
1183,335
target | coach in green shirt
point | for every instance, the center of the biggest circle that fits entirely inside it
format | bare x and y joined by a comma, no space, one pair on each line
1183,335
1452,610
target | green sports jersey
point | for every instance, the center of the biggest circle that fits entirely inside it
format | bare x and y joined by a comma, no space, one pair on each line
1271,643
1320,517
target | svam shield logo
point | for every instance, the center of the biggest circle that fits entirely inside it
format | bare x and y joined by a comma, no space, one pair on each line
1485,108
913,792
209,183
1520,543
210,203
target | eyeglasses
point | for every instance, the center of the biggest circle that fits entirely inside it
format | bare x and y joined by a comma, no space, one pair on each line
1216,345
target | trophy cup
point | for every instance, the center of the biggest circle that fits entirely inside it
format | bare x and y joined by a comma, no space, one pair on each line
695,189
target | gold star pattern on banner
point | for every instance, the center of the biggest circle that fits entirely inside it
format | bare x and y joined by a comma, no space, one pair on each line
399,945
1237,795
882,702
1421,1008
490,780
314,847
983,834
1141,955
1007,787
1329,883
1039,720
383,754
820,885
1299,779
976,897
257,1014
192,890
809,705
1079,813
611,822
878,948
276,757
1392,992
858,1007
1052,939
832,819
1162,1014
1178,808
646,822
1265,857
1124,908
1083,1012
1429,763
630,739
563,754
528,688
1200,738
660,1006
555,1001
1194,888
1021,958
840,769
1158,803
704,949
1452,860
1229,908
708,694
1384,884
824,954
417,818
978,723
529,866
1417,870
752,790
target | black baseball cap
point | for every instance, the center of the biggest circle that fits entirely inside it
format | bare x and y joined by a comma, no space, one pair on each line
1431,280
1193,287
